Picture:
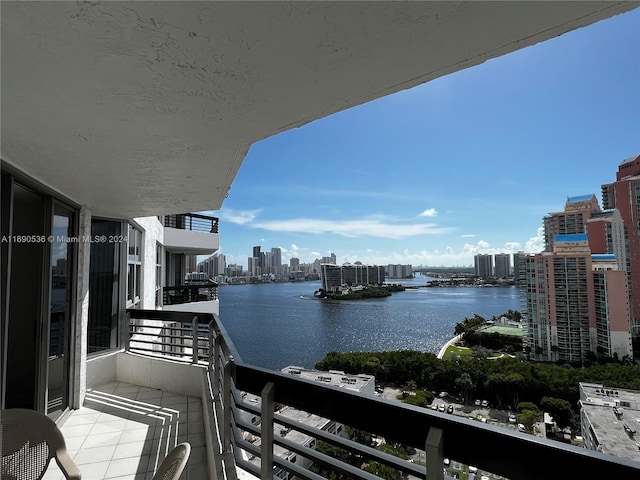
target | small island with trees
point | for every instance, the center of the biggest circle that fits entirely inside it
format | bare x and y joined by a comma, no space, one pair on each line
359,292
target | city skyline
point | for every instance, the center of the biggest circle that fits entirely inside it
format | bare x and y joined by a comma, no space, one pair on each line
434,175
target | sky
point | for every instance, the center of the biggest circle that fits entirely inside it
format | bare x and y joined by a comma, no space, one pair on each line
465,164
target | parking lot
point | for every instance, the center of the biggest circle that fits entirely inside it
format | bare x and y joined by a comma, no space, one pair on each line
453,405
480,411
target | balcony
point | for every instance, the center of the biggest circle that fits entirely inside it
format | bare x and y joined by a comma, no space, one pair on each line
198,292
191,233
164,391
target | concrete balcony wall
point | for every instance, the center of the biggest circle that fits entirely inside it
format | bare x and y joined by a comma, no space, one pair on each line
162,374
167,375
101,369
212,306
190,242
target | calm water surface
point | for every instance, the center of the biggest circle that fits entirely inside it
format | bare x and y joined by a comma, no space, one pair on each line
278,324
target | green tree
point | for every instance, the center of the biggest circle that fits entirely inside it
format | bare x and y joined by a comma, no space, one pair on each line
527,406
559,409
528,418
420,399
385,471
337,453
465,384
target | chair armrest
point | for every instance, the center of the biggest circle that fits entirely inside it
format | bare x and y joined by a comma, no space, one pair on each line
67,466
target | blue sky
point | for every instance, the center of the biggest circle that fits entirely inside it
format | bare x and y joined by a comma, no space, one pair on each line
465,164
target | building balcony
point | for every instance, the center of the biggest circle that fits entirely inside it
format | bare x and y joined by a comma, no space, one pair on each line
181,294
161,390
191,234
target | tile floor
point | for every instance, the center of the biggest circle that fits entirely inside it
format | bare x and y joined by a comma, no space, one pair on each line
124,431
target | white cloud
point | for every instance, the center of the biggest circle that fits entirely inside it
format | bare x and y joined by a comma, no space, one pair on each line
431,212
468,235
352,228
536,244
239,217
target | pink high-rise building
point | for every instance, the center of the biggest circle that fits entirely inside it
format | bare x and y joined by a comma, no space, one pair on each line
624,195
577,290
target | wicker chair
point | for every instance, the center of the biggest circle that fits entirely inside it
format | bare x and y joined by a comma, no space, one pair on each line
28,442
172,466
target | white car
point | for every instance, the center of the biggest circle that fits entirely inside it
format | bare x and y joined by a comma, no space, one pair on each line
485,403
512,418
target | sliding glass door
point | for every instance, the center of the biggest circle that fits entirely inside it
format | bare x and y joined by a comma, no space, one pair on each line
38,256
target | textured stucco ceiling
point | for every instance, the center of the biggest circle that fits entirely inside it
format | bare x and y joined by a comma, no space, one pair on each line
144,108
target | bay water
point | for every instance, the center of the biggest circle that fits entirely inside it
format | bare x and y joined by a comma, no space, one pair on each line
274,325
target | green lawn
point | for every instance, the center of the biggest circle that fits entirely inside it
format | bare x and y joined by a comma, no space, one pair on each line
456,350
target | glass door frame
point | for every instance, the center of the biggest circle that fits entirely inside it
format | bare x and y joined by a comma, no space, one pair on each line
52,202
70,240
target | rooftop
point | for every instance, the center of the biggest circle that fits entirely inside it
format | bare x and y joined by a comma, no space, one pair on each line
614,414
358,383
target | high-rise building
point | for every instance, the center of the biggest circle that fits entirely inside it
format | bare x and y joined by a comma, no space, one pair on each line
330,259
253,266
276,260
607,234
572,219
266,263
257,254
233,270
624,195
483,265
518,267
191,263
502,265
399,271
334,276
576,293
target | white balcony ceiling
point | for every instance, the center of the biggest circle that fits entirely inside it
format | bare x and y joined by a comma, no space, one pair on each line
141,108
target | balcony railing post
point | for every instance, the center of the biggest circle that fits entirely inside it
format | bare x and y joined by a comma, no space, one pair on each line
266,432
217,371
433,450
212,344
195,342
226,407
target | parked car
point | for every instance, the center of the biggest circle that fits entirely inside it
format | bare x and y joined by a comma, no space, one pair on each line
485,403
512,418
450,409
478,402
442,407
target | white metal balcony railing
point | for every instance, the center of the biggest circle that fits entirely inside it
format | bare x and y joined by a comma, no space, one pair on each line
246,428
